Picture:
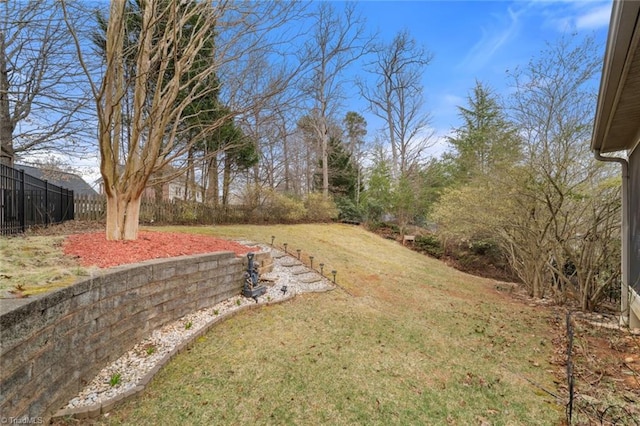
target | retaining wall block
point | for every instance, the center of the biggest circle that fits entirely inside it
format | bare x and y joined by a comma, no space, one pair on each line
51,347
112,283
139,276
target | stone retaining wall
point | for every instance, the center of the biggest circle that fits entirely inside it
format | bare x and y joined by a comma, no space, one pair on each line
54,345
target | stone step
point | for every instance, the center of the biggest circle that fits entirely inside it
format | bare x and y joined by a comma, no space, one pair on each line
314,279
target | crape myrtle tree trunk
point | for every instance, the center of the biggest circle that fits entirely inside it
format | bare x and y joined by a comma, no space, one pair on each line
165,84
168,80
202,112
162,59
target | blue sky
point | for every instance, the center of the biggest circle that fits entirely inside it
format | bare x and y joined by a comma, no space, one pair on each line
481,40
469,40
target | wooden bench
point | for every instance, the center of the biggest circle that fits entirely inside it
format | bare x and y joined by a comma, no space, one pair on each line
408,238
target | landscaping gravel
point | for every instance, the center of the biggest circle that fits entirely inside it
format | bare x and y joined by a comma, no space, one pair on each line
288,278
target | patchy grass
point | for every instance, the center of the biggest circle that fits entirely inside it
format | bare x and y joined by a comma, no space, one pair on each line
406,341
32,265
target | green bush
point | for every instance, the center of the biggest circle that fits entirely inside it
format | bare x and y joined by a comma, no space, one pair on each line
293,210
429,244
320,209
480,247
348,210
279,207
374,211
487,248
374,225
188,213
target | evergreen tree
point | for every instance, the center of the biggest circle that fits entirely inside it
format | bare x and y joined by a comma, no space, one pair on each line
485,140
343,176
356,130
239,154
377,197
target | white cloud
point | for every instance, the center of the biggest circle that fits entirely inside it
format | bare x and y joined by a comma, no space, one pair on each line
440,144
565,16
492,40
596,18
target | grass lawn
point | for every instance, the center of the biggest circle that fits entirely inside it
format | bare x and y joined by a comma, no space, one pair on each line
406,340
34,265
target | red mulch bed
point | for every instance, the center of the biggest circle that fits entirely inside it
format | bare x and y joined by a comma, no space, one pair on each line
93,248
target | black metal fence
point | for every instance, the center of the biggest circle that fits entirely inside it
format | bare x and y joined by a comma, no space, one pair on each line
26,201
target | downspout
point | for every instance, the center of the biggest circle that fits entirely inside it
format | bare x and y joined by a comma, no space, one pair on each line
625,236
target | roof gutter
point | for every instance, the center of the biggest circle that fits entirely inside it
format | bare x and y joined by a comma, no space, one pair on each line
625,236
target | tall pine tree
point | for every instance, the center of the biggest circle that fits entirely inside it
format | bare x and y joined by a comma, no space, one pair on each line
485,140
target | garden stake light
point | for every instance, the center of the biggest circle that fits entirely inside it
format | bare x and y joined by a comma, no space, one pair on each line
285,248
298,250
321,269
334,272
311,260
272,238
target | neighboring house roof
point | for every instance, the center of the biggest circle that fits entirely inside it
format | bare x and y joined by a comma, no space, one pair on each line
59,178
617,122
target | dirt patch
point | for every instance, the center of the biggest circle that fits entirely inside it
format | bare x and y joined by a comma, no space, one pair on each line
605,366
92,248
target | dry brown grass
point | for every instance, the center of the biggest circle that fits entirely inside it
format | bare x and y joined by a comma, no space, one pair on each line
408,341
31,265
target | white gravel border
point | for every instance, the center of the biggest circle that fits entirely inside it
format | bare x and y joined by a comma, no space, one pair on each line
137,367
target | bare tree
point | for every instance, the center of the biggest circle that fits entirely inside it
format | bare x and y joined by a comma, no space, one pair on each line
356,129
300,163
552,106
167,84
310,150
555,213
396,96
275,134
337,41
586,258
269,124
41,92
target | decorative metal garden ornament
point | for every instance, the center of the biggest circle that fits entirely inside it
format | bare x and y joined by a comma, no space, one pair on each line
251,287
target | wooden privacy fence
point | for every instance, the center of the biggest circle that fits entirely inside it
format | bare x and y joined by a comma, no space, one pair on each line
89,207
170,212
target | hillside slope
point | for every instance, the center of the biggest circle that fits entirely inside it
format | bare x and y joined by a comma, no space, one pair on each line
407,340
